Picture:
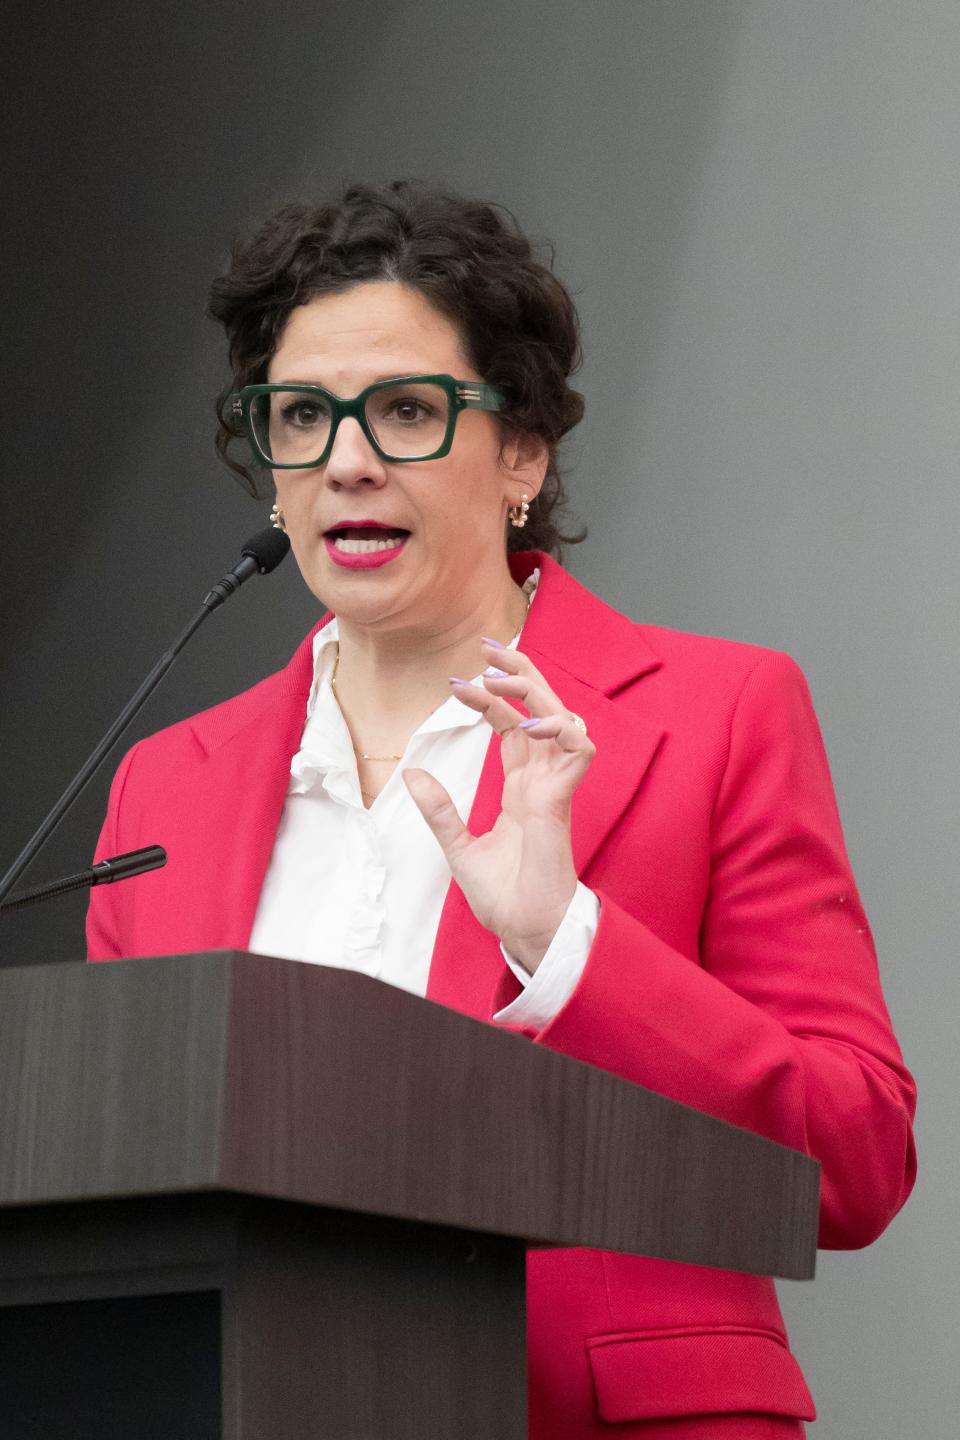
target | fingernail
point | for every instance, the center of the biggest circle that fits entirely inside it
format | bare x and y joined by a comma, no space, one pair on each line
456,680
497,644
528,724
492,673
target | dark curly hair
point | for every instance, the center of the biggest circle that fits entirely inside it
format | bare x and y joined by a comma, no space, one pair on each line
469,259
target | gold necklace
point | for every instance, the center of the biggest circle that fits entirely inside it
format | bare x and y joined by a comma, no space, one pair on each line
360,754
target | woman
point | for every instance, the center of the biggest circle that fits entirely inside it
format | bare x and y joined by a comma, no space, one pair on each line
654,878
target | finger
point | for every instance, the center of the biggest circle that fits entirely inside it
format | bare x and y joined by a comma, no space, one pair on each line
561,728
439,811
499,714
532,691
514,663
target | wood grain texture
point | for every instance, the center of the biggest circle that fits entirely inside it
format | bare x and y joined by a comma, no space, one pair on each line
111,1077
250,1074
354,1327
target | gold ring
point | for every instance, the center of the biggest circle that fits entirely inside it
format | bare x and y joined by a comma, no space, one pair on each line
579,723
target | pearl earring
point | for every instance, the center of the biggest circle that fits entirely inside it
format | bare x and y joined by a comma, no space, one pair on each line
276,518
518,513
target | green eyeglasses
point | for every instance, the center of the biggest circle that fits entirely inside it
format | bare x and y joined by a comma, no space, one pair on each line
412,417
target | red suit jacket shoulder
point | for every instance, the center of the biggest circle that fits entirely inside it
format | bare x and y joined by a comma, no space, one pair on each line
733,968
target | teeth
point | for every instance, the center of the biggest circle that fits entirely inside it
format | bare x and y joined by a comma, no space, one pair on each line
365,547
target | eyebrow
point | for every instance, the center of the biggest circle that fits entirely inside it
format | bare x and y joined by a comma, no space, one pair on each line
387,375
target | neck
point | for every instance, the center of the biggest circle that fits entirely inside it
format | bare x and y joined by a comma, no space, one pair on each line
389,681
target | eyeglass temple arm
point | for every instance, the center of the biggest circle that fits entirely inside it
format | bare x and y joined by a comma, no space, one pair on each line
478,396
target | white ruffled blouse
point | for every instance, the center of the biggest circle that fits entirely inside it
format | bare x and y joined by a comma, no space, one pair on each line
363,888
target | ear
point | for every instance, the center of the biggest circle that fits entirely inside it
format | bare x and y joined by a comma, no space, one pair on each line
525,458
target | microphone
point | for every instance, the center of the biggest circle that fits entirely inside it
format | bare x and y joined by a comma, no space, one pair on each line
259,556
105,872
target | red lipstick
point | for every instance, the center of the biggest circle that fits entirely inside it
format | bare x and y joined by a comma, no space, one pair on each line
355,545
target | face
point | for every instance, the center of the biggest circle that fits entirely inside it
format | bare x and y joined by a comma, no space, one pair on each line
449,514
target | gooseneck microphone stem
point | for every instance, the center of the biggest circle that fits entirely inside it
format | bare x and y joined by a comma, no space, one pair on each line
105,872
94,761
260,555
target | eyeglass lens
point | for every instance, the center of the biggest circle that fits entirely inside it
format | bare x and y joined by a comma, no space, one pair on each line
407,421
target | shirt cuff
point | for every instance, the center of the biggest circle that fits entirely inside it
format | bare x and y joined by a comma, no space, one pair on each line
549,988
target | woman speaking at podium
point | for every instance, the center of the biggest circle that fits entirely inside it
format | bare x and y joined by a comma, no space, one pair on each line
654,878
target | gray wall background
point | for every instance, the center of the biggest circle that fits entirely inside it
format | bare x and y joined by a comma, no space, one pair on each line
756,205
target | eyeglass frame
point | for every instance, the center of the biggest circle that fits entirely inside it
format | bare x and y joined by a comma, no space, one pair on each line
461,395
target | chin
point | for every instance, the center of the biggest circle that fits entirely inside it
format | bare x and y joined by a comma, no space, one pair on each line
360,599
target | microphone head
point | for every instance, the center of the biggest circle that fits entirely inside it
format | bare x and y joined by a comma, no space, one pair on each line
268,547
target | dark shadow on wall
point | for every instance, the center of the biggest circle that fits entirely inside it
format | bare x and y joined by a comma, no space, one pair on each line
140,143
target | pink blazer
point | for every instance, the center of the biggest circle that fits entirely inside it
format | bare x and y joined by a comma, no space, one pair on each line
733,970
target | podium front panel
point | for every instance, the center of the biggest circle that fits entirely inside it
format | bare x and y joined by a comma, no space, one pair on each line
223,1317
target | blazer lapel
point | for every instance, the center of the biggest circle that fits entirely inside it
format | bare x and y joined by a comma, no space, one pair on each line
245,779
467,963
237,794
587,652
626,744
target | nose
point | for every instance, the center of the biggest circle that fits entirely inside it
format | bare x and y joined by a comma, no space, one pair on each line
352,461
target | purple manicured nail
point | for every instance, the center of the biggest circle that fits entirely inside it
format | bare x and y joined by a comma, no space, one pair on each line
456,680
492,673
497,644
529,724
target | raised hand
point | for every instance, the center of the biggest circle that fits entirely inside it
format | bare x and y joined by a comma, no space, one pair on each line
519,878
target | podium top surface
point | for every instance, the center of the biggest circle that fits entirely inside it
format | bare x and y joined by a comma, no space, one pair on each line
244,1073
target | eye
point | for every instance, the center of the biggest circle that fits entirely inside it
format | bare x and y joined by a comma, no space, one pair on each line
408,411
302,413
409,416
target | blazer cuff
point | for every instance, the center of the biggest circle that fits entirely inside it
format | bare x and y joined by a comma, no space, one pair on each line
558,974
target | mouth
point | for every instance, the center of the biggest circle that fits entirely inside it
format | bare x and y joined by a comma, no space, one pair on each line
364,546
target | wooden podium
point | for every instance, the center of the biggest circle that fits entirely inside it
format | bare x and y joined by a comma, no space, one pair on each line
260,1200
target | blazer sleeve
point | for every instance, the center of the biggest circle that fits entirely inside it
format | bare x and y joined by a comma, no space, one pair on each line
103,921
781,1028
